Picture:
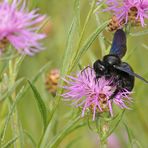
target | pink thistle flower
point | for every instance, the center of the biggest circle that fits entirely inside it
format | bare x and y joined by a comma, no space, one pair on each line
134,11
92,94
18,26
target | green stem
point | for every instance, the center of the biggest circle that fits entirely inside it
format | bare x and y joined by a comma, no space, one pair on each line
14,121
54,143
82,33
101,40
103,144
104,129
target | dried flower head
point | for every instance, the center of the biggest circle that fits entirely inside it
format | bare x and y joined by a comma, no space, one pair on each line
133,11
92,94
48,27
114,24
52,81
17,26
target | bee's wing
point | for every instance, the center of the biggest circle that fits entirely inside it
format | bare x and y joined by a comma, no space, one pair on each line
119,43
126,68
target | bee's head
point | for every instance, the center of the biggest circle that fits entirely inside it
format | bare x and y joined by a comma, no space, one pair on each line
111,60
99,68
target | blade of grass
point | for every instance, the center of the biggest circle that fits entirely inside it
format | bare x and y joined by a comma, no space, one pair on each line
68,51
9,143
41,105
65,65
77,14
129,135
35,78
139,33
31,138
87,44
58,138
83,29
2,135
100,37
11,89
71,143
19,96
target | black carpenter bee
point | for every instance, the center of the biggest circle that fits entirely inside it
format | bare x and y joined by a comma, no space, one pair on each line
112,67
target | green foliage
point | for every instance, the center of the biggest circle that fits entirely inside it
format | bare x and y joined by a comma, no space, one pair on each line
41,104
64,132
9,143
49,121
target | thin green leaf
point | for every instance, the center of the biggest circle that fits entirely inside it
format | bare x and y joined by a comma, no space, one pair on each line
77,14
18,63
30,137
59,137
11,89
9,143
4,66
99,7
66,58
93,3
7,58
132,140
101,37
139,33
68,51
139,145
41,104
71,143
87,44
35,78
129,135
45,137
39,73
114,127
67,55
19,96
89,125
10,114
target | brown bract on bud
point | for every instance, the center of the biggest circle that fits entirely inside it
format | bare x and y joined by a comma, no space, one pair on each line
132,16
114,24
3,44
47,27
52,79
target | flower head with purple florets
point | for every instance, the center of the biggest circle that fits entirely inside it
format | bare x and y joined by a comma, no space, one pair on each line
18,27
94,95
134,11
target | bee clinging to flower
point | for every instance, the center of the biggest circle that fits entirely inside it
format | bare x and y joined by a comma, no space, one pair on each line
109,81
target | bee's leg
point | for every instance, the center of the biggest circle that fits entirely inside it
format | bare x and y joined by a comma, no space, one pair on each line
119,87
114,94
86,68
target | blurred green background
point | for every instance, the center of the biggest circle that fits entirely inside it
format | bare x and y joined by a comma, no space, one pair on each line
60,15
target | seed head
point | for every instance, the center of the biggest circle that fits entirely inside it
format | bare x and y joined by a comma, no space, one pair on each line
52,79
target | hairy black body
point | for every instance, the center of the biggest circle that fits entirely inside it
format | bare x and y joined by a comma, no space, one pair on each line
121,79
111,66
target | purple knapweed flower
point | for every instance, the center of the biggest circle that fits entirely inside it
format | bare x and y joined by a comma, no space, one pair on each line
134,11
19,27
91,94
